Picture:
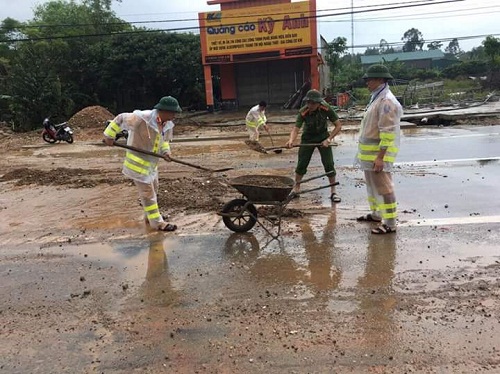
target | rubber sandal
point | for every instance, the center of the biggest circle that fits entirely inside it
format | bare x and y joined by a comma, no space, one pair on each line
383,229
164,216
335,198
168,227
368,218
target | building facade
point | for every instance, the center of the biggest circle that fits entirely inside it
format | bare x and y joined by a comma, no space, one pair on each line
255,50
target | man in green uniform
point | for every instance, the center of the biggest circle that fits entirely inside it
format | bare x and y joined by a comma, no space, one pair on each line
313,120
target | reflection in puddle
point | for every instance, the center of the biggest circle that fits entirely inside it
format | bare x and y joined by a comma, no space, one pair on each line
157,288
375,292
322,264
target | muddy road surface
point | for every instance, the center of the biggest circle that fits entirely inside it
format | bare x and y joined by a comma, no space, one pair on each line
86,287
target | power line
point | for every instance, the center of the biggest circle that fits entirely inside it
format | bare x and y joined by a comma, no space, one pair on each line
417,16
197,27
364,9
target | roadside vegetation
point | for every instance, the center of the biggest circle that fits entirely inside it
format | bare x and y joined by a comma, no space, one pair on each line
466,76
71,55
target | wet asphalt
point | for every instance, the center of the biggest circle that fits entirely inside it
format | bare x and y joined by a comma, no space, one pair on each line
447,186
447,180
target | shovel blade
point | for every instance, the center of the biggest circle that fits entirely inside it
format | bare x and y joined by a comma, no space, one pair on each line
255,146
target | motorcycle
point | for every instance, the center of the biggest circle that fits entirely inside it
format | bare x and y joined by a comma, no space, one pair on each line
52,133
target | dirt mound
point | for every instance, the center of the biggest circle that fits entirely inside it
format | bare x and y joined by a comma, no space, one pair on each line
91,117
70,178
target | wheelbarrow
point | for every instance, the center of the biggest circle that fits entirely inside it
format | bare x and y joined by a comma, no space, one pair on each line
241,215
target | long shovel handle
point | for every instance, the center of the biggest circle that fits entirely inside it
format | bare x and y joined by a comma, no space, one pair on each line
270,137
298,145
132,148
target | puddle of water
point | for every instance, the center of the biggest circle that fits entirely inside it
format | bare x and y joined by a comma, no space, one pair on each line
337,267
468,220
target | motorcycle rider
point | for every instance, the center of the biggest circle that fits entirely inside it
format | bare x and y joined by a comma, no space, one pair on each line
150,130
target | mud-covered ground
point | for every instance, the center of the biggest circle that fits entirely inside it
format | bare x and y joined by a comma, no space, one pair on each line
88,288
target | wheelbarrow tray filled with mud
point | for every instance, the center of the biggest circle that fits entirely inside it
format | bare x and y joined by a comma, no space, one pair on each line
263,188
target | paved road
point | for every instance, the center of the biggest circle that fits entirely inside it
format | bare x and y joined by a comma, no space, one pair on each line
456,167
329,297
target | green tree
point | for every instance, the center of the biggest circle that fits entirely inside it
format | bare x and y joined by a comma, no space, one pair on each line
165,64
413,40
62,35
36,87
453,48
334,52
384,47
492,48
81,54
432,46
372,51
476,53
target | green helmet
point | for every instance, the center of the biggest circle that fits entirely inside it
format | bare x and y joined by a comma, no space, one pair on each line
377,71
168,103
313,95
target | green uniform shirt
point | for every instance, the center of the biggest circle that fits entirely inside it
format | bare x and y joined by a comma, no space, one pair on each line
315,124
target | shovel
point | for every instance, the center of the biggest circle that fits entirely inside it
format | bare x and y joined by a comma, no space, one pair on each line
168,158
273,148
255,146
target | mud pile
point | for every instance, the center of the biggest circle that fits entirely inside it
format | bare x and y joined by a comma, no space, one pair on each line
60,177
91,117
194,194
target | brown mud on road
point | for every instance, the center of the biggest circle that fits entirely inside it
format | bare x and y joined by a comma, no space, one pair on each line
87,287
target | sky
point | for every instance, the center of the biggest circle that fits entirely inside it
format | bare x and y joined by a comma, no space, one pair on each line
462,19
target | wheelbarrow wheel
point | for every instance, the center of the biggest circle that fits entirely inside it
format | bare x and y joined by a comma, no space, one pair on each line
239,218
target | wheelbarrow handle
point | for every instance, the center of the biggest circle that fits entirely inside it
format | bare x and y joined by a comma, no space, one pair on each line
318,176
132,148
292,194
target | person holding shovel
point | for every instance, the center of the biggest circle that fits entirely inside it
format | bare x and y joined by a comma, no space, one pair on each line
378,146
313,120
255,118
151,131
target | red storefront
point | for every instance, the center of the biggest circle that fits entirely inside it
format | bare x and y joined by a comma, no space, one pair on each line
255,50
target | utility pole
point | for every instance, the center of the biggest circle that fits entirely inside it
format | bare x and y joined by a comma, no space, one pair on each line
352,29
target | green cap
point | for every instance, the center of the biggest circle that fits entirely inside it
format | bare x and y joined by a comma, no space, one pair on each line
313,95
377,71
169,104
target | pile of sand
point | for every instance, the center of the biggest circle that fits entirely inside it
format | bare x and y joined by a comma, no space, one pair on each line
91,117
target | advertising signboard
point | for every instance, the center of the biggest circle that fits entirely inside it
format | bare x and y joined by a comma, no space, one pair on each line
278,31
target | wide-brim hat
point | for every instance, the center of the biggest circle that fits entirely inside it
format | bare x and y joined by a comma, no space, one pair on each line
314,96
168,103
377,71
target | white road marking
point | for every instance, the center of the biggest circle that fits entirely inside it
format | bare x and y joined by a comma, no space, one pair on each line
450,221
447,137
457,160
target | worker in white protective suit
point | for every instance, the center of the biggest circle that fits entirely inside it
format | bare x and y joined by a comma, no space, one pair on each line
378,146
150,130
256,117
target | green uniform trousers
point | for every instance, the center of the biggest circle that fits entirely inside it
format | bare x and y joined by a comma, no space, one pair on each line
305,154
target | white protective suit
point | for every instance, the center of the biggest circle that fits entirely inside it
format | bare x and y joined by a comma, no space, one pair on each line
380,129
254,119
143,130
